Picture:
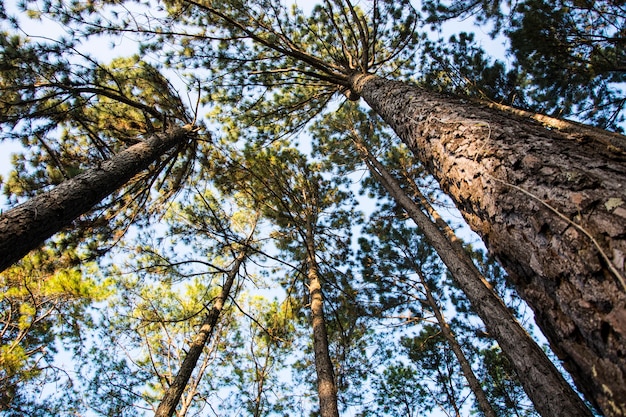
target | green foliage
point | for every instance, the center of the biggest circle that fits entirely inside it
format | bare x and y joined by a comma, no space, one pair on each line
504,391
438,11
44,301
262,343
437,370
574,52
398,391
266,72
461,67
71,115
291,192
569,56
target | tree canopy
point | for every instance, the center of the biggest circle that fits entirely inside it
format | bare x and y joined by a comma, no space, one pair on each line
251,207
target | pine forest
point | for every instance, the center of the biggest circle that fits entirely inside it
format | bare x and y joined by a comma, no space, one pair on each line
314,208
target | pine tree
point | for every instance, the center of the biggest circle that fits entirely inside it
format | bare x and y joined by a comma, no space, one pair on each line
545,195
121,125
295,196
175,314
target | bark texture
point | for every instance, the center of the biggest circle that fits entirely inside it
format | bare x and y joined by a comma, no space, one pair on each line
26,226
544,384
549,203
172,395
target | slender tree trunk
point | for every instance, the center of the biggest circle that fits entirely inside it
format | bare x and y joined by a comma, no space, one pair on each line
326,387
466,368
458,246
472,380
549,203
172,395
448,334
187,401
544,384
261,372
26,226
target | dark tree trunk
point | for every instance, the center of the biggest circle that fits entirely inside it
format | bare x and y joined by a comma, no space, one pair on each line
172,395
549,203
26,226
544,384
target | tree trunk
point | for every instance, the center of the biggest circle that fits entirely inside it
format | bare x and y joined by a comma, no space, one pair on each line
326,387
29,224
544,384
172,395
549,203
448,334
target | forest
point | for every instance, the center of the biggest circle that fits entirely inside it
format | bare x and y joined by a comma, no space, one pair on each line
313,208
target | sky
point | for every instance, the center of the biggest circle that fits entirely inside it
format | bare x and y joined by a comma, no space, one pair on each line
105,50
102,49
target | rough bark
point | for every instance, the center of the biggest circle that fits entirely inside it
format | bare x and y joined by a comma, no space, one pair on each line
26,226
544,384
172,395
548,201
326,387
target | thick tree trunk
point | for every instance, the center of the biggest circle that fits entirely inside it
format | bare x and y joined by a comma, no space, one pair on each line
549,203
544,384
326,387
172,395
29,224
